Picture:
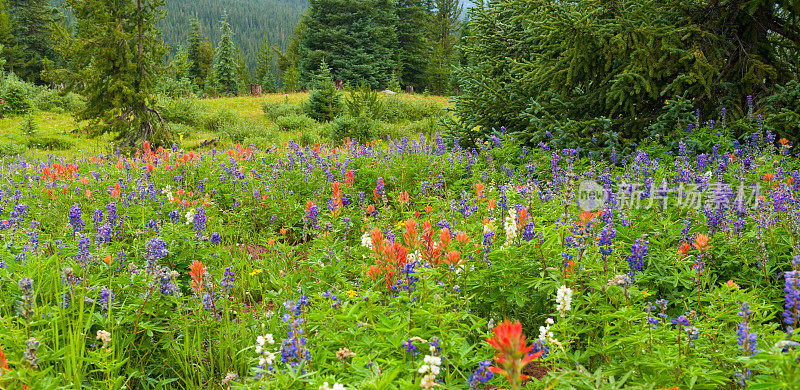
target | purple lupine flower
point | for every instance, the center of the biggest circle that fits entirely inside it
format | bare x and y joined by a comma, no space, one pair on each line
106,298
638,253
791,304
215,238
681,320
156,249
84,246
175,216
199,221
480,376
745,339
228,278
75,218
410,347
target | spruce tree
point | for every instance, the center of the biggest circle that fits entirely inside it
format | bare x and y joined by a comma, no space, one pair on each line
291,78
32,22
575,63
413,51
325,102
444,26
242,72
225,75
357,36
265,68
200,55
114,61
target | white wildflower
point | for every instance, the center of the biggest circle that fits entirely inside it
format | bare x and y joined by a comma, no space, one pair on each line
189,216
511,226
564,300
366,240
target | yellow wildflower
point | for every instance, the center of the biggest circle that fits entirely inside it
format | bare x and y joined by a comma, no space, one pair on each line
255,272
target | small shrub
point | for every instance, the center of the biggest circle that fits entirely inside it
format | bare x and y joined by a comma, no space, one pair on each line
295,122
56,101
239,131
17,99
364,102
183,110
358,128
181,131
325,102
275,110
216,121
11,149
49,143
28,126
426,126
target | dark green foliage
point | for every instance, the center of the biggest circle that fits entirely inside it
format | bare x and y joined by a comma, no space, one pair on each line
363,102
114,61
16,98
444,27
243,75
31,22
291,78
535,63
219,119
357,37
265,67
200,55
782,111
325,102
226,79
346,127
412,44
295,122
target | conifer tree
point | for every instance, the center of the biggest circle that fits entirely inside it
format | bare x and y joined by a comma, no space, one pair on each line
291,78
325,102
200,55
32,22
413,51
357,37
444,26
573,63
242,72
225,75
114,61
265,68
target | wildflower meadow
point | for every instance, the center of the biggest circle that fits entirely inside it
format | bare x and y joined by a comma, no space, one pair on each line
404,264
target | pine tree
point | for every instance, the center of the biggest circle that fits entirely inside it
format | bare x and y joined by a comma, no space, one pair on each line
200,55
575,63
242,73
225,77
444,25
358,37
114,60
265,68
291,78
325,102
32,22
413,51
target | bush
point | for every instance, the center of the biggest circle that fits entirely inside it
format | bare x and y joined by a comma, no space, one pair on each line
426,126
183,110
181,131
295,122
275,110
11,149
239,131
56,101
17,99
28,126
216,121
358,128
364,102
49,143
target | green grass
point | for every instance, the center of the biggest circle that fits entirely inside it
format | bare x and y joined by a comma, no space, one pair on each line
61,134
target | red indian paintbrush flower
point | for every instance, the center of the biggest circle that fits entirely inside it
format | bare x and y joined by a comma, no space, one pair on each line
197,270
3,362
701,243
512,353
